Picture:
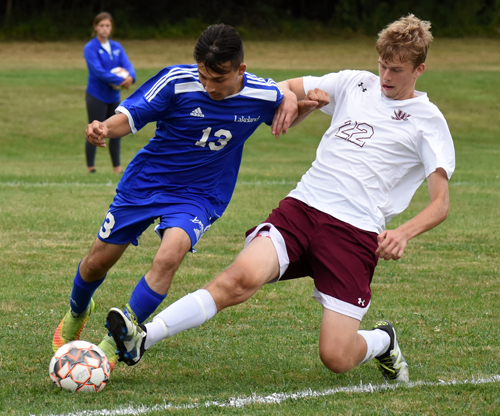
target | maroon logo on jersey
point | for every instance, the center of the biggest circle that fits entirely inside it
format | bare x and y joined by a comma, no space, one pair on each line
400,115
355,132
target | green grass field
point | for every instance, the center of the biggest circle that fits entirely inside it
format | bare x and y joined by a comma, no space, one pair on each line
443,296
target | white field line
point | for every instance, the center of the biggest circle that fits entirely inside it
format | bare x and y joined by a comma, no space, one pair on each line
275,398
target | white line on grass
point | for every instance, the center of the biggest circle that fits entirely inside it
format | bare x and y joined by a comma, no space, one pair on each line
276,398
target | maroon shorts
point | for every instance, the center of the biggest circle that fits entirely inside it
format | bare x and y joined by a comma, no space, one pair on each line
338,256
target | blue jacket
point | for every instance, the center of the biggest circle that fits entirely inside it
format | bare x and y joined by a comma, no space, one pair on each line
100,65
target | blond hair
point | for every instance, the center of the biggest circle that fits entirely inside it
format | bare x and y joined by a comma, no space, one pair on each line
405,40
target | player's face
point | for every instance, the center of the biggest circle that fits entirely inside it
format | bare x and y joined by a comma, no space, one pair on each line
103,29
219,86
397,79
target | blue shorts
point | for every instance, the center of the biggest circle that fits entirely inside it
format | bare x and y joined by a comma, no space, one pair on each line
129,217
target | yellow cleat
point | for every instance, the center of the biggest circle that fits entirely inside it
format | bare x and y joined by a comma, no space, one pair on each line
70,327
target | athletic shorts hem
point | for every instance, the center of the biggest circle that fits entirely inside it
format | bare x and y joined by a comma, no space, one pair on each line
279,245
339,306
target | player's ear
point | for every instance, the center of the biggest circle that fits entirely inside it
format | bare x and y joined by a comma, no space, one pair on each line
419,70
242,69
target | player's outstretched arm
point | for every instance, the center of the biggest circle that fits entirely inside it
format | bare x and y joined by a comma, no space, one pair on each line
285,114
307,103
295,85
314,100
392,243
113,127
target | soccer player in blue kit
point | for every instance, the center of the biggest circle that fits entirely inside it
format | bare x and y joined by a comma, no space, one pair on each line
185,175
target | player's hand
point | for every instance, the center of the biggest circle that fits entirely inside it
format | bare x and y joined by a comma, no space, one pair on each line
96,133
316,99
127,82
391,244
285,114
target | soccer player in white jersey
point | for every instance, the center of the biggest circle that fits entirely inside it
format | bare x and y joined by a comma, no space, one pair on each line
385,138
185,176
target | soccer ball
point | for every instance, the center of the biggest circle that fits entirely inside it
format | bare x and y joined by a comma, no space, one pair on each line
121,72
79,366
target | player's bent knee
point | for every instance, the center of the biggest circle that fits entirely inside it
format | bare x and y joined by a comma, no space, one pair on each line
94,268
234,287
166,264
335,361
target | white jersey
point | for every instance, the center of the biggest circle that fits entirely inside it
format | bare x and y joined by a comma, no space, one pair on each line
376,153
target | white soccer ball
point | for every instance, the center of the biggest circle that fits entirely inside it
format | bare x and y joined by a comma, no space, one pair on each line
79,366
121,72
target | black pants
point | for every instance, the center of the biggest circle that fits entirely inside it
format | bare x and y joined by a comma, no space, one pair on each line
97,110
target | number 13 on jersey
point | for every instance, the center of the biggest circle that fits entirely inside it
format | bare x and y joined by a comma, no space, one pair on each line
224,137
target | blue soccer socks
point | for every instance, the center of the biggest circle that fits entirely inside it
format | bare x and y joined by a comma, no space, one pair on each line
82,292
143,301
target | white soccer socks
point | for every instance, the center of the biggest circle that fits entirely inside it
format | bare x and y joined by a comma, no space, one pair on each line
188,312
377,342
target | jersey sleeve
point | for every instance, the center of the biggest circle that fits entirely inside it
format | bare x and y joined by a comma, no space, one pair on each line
265,94
334,84
327,83
277,103
150,102
435,146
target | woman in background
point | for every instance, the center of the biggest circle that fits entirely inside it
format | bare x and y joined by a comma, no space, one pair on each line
109,71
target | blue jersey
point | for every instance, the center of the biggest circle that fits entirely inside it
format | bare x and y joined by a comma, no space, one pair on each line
100,64
198,144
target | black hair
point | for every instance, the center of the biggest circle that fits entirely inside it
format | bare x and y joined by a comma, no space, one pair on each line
217,45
